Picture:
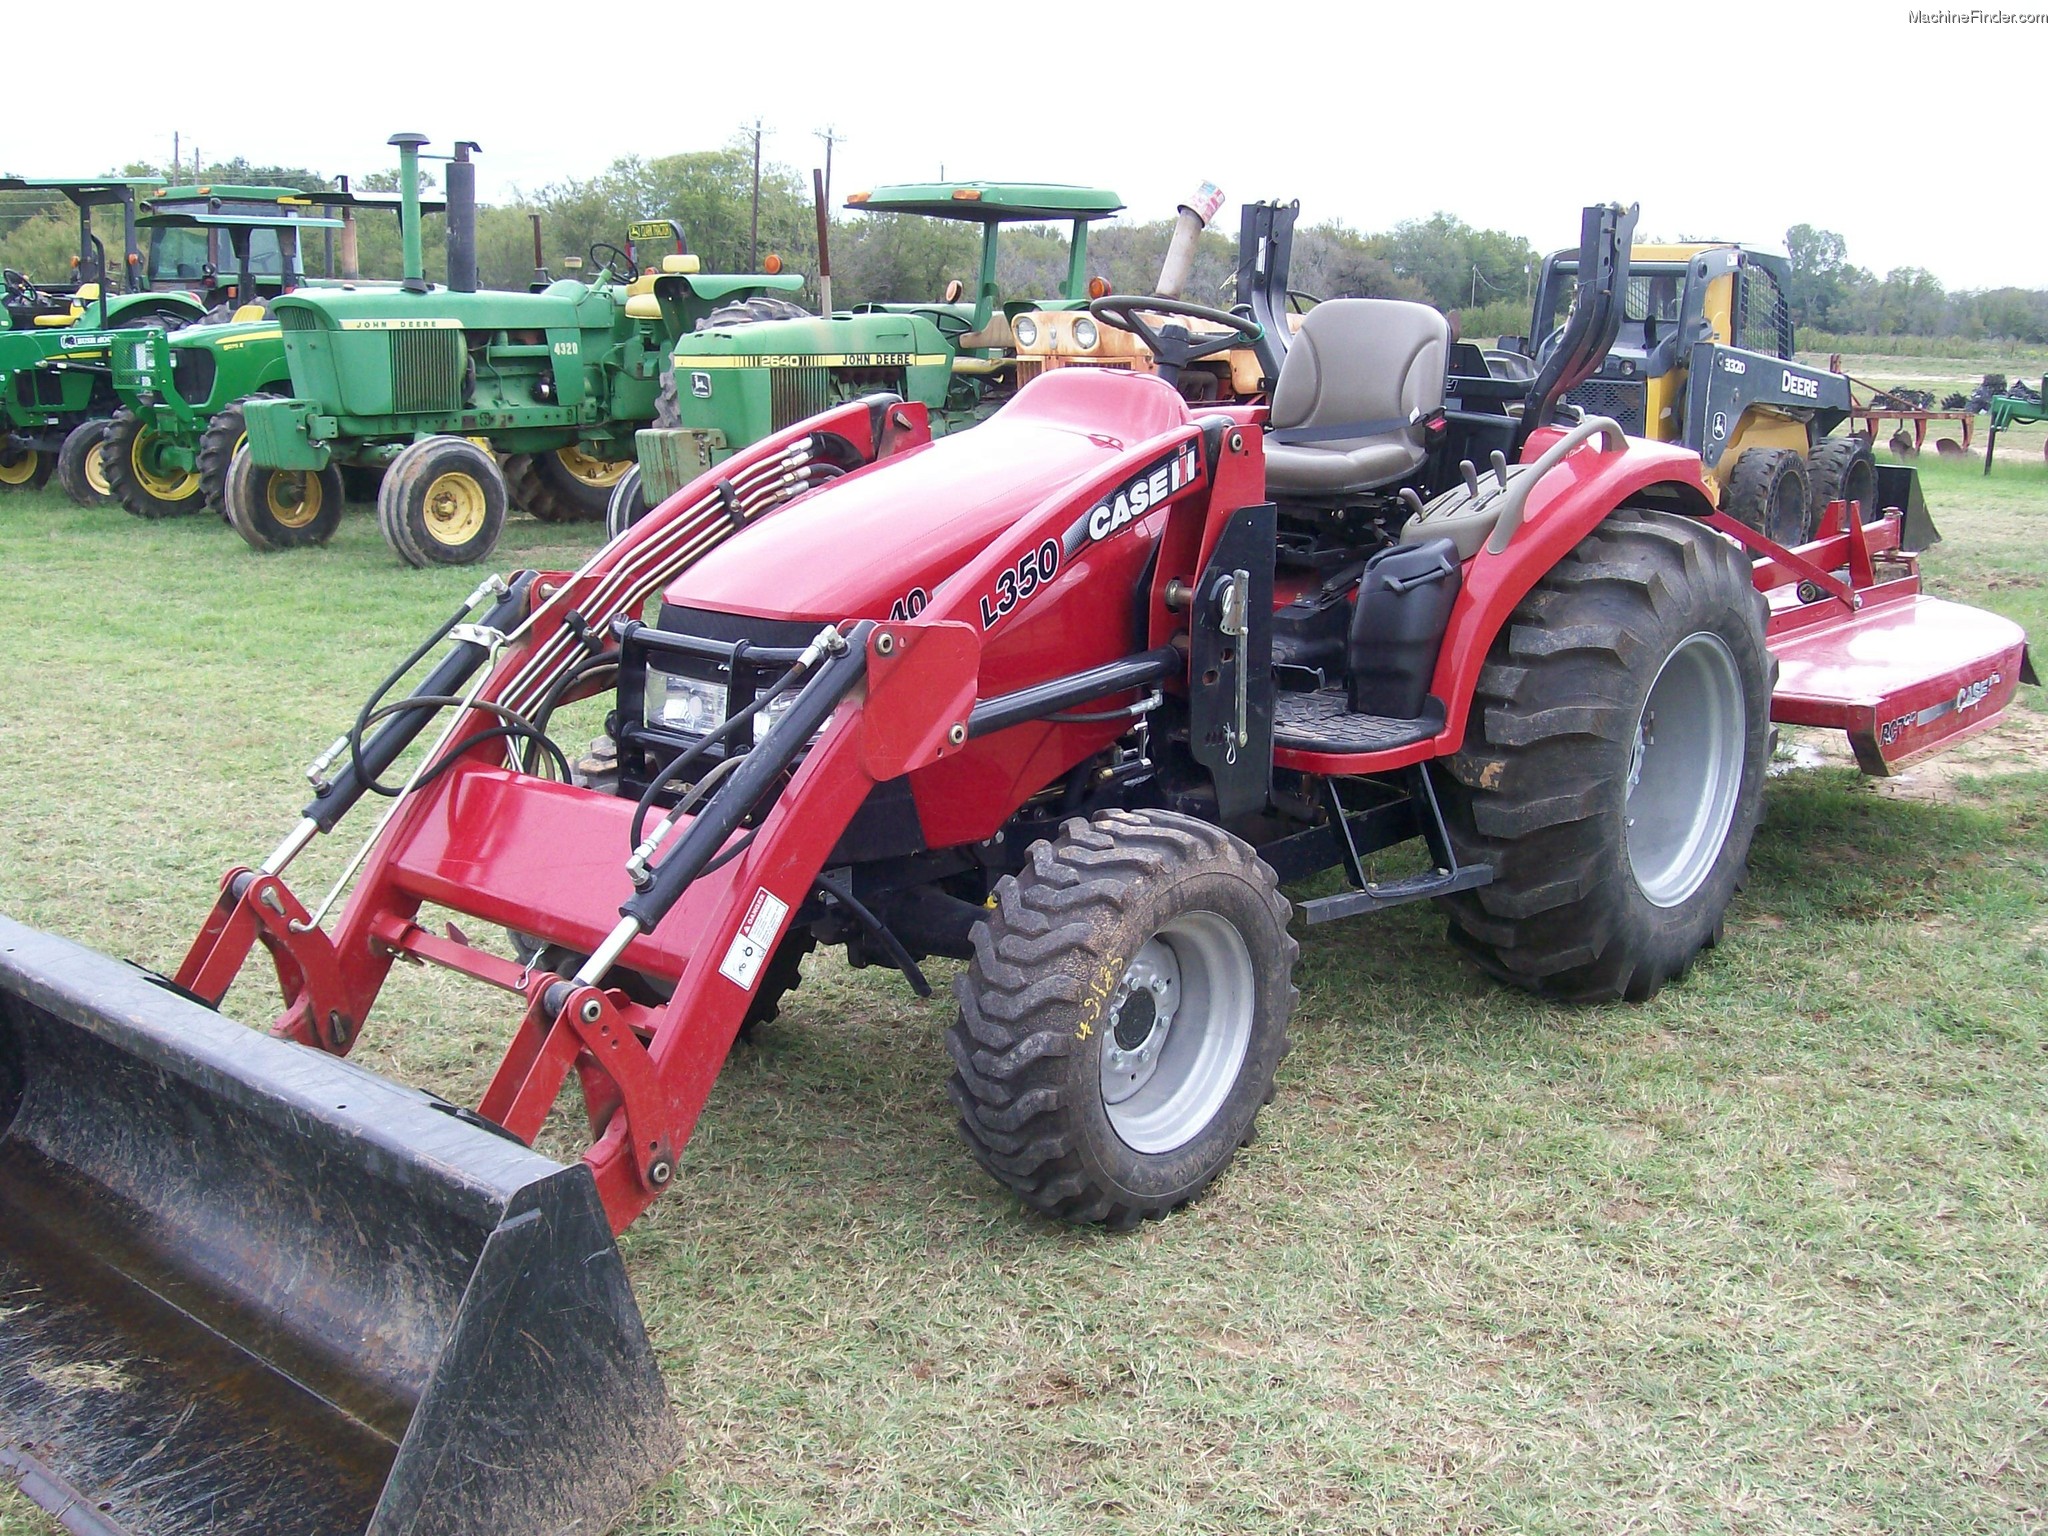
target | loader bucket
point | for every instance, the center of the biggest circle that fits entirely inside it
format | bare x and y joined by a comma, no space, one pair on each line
246,1287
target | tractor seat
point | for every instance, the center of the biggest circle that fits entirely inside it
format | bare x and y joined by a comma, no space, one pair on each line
1360,378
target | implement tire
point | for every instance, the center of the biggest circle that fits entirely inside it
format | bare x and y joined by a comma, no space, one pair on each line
1122,1016
281,508
1768,492
81,469
1842,469
1613,766
23,468
442,503
133,476
563,485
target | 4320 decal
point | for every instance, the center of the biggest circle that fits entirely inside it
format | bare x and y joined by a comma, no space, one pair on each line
1036,568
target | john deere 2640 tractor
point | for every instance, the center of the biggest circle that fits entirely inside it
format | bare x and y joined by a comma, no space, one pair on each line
734,385
210,246
433,382
1705,358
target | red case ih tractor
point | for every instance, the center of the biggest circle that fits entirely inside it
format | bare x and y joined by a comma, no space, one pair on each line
1070,697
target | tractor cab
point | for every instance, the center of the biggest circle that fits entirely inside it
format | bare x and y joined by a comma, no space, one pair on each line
28,303
230,243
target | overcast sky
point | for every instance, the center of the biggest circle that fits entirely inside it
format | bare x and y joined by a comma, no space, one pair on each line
1733,120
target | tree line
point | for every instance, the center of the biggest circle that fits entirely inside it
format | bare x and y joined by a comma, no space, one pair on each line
1485,274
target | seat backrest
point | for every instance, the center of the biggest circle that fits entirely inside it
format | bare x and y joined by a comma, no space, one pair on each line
1363,360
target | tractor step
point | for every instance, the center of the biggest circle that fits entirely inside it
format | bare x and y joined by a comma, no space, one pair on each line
1323,722
1905,677
247,1288
1377,896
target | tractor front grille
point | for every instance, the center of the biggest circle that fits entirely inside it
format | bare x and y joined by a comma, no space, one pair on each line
192,372
1027,369
1623,399
36,388
426,371
297,319
794,393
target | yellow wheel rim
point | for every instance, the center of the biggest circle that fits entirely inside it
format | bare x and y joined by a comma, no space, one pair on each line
292,497
175,486
589,468
21,470
96,470
454,508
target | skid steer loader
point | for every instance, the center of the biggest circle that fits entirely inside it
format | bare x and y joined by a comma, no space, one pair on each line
1070,697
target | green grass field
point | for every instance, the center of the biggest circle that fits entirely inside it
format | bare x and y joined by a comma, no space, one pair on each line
1767,1254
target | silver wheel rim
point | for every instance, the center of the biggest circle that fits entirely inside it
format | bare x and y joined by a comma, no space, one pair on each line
1176,1031
1685,771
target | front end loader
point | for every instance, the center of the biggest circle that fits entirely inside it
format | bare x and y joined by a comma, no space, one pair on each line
1069,697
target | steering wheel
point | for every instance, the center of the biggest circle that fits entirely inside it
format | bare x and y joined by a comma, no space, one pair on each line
1173,348
19,288
620,271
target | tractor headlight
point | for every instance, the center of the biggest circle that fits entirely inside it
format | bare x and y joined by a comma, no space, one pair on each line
693,706
1026,331
772,714
1085,334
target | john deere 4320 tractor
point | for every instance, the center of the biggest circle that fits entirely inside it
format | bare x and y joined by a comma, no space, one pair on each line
432,383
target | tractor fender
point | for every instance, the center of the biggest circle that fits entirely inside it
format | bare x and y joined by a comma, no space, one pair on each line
1565,506
122,308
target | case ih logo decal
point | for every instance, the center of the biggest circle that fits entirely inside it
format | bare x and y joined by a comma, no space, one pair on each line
1135,497
1969,696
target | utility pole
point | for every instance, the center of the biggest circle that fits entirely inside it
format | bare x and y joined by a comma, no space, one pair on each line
831,136
823,191
176,156
754,229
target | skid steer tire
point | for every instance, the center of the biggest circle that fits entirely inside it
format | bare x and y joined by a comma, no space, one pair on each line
1768,492
1613,767
276,509
23,468
563,485
1122,1016
627,506
80,468
137,482
218,445
1842,469
442,503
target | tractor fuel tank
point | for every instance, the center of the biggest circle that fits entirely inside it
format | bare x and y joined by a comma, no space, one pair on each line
246,1287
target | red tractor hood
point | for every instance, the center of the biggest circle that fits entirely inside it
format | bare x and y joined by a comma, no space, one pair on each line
902,526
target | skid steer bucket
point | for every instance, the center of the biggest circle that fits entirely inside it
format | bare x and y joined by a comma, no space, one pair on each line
246,1287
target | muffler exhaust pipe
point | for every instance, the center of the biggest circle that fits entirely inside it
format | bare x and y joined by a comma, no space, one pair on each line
408,146
248,1288
462,219
1195,215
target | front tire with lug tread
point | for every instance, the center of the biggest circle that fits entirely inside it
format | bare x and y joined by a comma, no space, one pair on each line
1123,1015
442,503
81,466
23,468
281,508
1768,491
1842,469
563,485
1613,766
147,489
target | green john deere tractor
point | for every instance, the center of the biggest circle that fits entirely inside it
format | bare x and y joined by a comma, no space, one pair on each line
67,323
210,247
167,449
733,385
433,383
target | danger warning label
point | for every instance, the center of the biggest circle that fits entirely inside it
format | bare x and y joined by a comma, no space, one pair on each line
755,941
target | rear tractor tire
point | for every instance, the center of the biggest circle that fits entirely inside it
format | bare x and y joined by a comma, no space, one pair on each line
1768,492
23,468
1613,766
442,503
563,485
1842,469
143,484
281,508
628,505
1123,1016
81,466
